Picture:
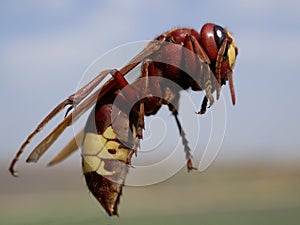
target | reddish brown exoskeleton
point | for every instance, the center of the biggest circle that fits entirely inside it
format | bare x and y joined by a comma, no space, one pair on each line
200,61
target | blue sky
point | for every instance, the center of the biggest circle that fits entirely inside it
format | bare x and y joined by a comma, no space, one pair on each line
47,45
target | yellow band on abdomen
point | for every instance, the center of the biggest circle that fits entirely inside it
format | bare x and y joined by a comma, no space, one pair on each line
97,148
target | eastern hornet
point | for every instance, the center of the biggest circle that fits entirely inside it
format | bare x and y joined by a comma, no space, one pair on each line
200,61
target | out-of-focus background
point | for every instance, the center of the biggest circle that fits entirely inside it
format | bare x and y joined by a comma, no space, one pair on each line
47,45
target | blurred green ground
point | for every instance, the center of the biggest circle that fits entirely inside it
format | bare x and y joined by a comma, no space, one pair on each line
248,194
